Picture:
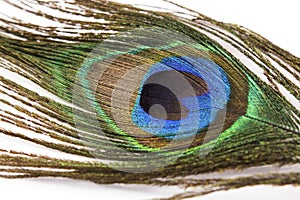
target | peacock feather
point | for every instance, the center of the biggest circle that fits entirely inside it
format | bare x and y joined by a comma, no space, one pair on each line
121,94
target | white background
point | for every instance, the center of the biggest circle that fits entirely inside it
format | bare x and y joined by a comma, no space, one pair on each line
276,20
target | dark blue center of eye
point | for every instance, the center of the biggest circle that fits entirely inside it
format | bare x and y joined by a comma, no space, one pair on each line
154,93
180,111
